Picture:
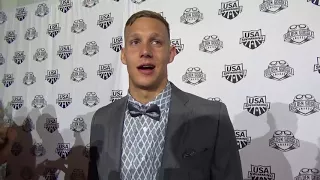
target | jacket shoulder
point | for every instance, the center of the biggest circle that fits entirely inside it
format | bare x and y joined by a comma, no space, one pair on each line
106,110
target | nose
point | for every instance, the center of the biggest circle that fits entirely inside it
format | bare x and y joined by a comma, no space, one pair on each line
146,51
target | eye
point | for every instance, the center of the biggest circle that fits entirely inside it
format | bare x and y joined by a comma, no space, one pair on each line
135,41
156,42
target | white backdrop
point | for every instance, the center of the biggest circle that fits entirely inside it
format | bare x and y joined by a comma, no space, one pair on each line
60,63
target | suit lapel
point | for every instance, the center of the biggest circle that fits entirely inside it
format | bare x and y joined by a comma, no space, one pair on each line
179,114
115,129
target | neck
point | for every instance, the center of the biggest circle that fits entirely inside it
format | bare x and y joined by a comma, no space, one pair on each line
146,95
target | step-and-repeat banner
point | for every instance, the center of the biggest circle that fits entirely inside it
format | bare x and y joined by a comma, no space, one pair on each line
60,62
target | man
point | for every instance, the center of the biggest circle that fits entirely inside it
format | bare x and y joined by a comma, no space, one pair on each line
157,131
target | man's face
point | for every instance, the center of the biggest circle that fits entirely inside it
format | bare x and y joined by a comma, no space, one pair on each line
147,52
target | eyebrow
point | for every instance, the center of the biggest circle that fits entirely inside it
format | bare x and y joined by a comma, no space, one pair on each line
137,35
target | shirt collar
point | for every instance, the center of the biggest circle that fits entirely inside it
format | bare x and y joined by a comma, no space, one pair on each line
162,99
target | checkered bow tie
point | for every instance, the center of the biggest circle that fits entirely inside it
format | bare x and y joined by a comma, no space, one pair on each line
153,110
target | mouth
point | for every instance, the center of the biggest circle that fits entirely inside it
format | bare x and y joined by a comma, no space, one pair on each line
146,69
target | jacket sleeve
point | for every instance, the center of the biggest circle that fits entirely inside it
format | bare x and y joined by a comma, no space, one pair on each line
93,152
226,164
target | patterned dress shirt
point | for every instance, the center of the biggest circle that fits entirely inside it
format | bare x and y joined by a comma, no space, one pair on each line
143,140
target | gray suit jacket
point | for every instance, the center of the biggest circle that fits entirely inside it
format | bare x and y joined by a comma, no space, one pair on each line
200,141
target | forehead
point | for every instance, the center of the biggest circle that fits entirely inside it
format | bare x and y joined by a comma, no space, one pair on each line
146,26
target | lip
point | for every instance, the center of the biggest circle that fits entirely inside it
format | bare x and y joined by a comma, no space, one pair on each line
146,64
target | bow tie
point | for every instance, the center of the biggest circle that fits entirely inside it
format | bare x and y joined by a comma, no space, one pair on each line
153,111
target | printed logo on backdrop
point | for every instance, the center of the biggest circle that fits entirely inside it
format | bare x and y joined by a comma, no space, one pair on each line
315,2
63,149
28,125
90,49
230,9
65,5
256,105
39,102
91,99
40,55
42,10
65,51
316,66
31,34
7,80
89,3
52,76
234,72
26,173
16,149
37,150
51,173
273,6
10,36
78,125
64,100
78,74
78,26
298,34
2,60
115,95
308,173
3,17
210,44
105,20
278,70
77,174
304,104
19,57
53,30
86,151
51,124
252,39
105,71
138,1
177,44
284,141
16,102
194,76
116,43
261,172
243,139
215,99
191,16
21,13
29,78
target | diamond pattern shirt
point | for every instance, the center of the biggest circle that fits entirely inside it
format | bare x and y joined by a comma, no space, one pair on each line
143,140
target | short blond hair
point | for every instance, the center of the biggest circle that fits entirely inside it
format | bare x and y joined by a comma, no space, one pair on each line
148,14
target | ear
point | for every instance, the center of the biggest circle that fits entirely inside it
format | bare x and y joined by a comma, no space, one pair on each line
123,56
173,53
